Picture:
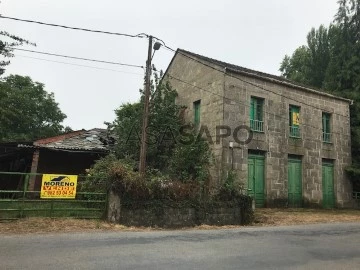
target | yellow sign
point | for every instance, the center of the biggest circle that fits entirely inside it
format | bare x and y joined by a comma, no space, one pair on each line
57,186
295,119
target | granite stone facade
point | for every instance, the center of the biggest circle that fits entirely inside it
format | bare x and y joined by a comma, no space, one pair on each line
225,90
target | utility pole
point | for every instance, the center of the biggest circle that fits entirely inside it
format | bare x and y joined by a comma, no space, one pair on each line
142,165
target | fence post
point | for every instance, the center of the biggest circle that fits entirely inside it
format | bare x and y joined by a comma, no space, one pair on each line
34,166
114,207
26,181
106,206
26,184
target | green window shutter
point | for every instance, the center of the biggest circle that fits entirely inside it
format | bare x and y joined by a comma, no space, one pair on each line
259,109
327,123
326,127
252,108
197,112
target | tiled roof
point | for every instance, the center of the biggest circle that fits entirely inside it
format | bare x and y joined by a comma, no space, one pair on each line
89,140
263,75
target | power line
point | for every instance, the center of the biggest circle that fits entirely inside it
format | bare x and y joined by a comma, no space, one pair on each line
247,105
142,35
238,101
250,83
79,58
78,65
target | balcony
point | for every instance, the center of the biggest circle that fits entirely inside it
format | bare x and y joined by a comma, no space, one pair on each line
257,125
326,137
295,132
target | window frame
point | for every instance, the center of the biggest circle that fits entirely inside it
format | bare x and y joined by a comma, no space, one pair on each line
326,127
294,129
197,112
256,114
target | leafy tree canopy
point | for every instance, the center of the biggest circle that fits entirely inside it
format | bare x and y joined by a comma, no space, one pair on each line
165,152
27,111
163,122
331,60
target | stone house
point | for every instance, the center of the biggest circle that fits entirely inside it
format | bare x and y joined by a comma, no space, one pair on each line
287,144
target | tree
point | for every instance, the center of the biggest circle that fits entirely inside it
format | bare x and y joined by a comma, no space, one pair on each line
191,161
8,43
186,160
297,67
334,65
308,63
27,111
343,73
318,46
164,123
331,58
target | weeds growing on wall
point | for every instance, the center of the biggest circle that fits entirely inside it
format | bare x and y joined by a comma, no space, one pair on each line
120,176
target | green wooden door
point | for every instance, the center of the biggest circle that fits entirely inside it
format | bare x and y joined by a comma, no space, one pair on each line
256,179
294,182
328,184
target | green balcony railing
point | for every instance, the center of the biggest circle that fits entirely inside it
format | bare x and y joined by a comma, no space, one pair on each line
295,131
326,137
257,125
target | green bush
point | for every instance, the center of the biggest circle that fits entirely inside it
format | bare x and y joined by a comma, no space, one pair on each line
230,188
353,173
119,176
191,162
157,190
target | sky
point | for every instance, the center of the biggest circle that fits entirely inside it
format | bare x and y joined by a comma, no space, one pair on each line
255,34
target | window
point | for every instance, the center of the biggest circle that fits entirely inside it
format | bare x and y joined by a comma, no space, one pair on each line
256,114
326,127
294,121
197,112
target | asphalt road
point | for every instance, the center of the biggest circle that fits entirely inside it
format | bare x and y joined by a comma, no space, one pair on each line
324,246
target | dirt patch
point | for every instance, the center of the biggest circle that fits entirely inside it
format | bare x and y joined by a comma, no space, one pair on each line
60,225
274,217
263,217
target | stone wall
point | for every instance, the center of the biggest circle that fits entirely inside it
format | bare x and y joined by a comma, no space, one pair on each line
178,214
198,77
181,217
